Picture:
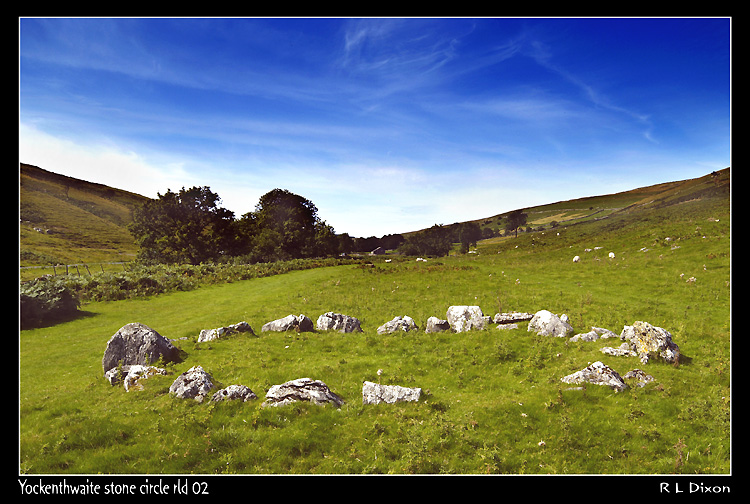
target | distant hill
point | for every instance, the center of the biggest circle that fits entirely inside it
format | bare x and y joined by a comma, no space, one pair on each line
64,220
712,185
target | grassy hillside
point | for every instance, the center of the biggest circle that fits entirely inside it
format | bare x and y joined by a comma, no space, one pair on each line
492,402
595,208
67,221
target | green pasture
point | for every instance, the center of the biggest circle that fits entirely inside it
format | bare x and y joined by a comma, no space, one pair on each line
492,400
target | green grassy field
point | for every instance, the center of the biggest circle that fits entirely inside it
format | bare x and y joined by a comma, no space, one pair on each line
492,401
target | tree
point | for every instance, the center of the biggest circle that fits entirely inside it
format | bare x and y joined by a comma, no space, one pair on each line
468,235
285,226
516,219
185,227
434,241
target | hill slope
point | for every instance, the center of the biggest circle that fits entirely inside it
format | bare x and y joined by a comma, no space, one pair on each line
64,220
713,185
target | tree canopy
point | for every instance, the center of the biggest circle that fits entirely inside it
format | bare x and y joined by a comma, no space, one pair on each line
190,227
183,227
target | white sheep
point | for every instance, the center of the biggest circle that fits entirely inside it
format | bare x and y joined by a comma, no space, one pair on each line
576,259
611,255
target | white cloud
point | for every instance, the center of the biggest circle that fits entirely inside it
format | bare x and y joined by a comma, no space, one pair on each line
100,163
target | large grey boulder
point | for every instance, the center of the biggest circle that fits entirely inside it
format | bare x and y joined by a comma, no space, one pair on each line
435,324
546,323
301,389
465,318
597,373
220,332
136,343
195,383
299,323
400,323
331,321
374,393
648,341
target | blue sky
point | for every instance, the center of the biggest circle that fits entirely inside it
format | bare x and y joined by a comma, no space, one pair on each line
388,125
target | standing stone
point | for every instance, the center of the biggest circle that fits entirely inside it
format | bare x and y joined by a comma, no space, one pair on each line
301,389
465,318
399,323
435,324
546,323
374,393
136,343
194,383
337,322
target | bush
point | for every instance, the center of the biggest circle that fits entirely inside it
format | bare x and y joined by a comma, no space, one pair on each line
46,300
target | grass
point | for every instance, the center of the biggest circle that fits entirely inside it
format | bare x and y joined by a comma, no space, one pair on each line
492,400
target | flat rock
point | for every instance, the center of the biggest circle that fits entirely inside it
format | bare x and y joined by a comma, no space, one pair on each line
299,323
233,393
220,332
374,393
512,317
331,321
301,389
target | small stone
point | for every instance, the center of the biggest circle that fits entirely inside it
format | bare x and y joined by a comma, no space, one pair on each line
374,393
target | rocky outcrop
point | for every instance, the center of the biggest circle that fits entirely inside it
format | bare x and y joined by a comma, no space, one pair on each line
220,332
301,389
136,343
399,323
546,323
374,393
331,321
298,323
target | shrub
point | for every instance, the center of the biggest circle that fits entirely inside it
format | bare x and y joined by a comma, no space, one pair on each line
46,300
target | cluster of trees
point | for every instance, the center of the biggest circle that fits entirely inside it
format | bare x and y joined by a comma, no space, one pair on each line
190,227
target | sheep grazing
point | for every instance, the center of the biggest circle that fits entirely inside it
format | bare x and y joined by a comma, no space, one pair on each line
611,255
576,259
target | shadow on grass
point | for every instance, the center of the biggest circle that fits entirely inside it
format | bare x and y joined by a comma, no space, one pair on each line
38,323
